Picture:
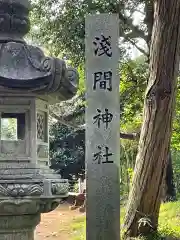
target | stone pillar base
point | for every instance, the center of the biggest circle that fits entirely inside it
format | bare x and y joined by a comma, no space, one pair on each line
18,227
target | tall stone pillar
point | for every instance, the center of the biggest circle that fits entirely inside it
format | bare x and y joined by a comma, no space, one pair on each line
29,82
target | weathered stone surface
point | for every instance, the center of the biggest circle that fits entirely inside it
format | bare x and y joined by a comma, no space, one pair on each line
26,188
22,226
14,24
18,207
21,190
102,128
24,67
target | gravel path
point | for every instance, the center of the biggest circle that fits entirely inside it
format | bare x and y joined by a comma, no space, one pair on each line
55,225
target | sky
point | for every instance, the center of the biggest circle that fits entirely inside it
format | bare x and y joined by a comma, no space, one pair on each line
138,17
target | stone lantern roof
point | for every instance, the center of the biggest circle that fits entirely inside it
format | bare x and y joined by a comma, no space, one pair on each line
25,68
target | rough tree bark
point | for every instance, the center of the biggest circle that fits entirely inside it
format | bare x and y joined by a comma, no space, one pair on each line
145,196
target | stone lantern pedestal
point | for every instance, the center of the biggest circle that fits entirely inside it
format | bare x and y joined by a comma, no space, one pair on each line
29,82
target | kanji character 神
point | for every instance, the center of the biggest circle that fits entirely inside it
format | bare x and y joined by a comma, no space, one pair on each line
105,117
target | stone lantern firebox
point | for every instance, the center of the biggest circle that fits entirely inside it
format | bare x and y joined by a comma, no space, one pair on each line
28,116
29,82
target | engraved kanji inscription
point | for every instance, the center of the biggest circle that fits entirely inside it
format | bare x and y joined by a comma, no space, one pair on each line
102,46
102,156
103,118
103,80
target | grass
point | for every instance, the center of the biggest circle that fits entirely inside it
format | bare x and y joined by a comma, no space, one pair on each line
169,224
169,220
78,227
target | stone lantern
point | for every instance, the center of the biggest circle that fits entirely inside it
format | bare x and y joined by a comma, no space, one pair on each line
29,82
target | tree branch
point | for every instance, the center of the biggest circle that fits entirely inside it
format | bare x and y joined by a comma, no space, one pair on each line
138,33
129,136
139,11
134,44
63,121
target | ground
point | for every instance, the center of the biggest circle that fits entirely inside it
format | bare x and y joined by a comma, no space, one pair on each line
70,225
56,225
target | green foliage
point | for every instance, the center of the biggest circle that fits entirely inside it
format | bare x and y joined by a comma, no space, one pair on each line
9,129
169,220
176,170
76,188
127,161
81,89
175,140
66,153
134,75
130,173
78,228
62,24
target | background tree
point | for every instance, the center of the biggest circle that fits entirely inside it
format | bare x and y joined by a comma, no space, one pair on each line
151,161
62,33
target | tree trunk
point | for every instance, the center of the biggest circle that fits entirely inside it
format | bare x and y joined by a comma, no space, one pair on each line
169,192
145,196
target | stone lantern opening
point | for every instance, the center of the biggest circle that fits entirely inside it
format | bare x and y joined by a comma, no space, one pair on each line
24,129
15,128
12,126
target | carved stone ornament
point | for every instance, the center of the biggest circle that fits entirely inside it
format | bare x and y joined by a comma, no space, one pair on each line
20,190
59,188
19,207
27,206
